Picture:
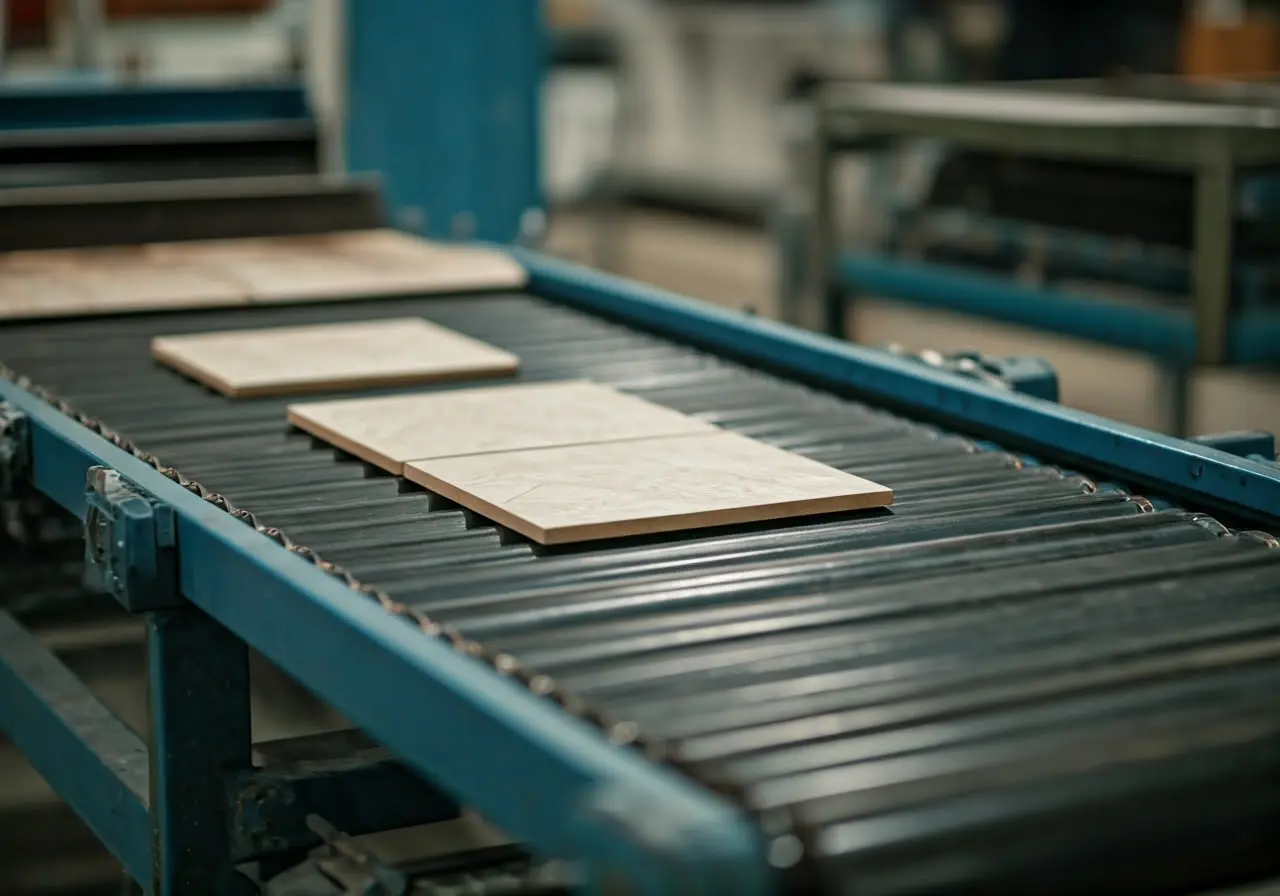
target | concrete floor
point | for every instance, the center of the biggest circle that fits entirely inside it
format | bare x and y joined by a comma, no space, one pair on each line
734,266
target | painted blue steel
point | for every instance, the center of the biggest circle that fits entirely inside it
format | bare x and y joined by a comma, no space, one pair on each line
1203,477
130,548
34,107
542,777
1242,444
1030,376
1164,333
89,757
1064,251
441,86
198,690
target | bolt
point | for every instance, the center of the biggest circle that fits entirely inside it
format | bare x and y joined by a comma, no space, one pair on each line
412,219
533,226
464,226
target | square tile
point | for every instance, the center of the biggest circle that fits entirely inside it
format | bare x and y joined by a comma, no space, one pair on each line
388,431
98,281
30,293
331,357
615,489
350,265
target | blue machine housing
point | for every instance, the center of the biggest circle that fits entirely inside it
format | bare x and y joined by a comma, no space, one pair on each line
436,86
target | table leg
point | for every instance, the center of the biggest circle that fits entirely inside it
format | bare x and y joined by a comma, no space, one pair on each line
1175,395
1214,221
823,294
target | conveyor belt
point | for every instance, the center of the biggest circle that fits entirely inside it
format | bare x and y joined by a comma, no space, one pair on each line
1012,679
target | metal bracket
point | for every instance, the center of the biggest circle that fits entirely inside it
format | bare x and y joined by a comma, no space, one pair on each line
130,543
357,870
340,776
15,450
1027,375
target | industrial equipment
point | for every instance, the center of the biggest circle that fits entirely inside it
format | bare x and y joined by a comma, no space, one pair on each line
1051,665
1021,673
1138,215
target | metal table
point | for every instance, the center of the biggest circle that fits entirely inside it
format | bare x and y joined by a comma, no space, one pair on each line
1212,141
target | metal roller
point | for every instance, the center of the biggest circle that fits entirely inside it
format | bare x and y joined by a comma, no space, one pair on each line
976,688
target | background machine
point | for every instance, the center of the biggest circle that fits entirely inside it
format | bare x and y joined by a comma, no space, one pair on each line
1051,666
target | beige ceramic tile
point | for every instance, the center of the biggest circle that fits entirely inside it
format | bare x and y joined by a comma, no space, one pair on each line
123,287
95,281
69,259
350,265
38,293
588,492
324,357
26,293
387,431
215,273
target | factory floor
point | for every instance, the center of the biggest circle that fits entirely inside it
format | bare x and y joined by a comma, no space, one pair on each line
734,266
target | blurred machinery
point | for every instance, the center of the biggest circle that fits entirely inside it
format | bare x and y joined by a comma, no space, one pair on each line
704,81
704,94
265,136
1051,665
1138,214
1012,666
93,112
334,101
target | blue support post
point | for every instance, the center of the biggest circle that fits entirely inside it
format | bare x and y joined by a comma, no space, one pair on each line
198,681
443,102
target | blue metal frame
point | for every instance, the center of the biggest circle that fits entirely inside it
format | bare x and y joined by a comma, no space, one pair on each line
198,688
1198,475
1168,334
445,86
541,776
107,104
91,758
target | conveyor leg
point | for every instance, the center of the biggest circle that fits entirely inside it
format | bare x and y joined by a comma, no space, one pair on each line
198,683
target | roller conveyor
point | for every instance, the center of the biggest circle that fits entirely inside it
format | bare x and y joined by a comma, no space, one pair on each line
1016,677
